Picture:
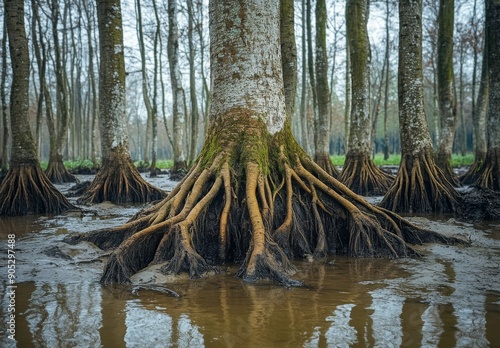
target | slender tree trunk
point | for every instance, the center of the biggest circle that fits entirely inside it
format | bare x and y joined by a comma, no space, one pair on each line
3,100
446,95
386,94
303,86
58,130
25,189
420,186
479,111
322,119
288,54
177,91
118,180
253,196
348,93
359,173
192,84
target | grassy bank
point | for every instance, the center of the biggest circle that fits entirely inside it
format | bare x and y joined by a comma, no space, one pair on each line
338,160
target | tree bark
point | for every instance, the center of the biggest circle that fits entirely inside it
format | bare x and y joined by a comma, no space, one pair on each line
253,196
192,84
118,180
479,111
360,173
177,91
420,186
322,114
25,189
489,173
288,54
58,130
446,95
3,96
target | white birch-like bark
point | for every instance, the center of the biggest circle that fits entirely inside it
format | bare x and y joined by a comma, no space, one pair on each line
415,137
113,118
246,61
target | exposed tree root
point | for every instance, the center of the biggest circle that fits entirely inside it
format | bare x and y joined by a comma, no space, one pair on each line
363,177
325,162
421,187
57,173
120,182
489,173
472,174
443,162
260,218
26,190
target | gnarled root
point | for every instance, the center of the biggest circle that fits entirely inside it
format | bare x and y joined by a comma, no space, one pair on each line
363,177
420,187
324,161
293,210
443,162
473,173
26,190
120,182
57,173
489,175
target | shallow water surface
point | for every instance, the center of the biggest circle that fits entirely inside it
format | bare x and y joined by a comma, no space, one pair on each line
448,298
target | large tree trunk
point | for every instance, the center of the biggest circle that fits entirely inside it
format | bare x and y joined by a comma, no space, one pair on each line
118,180
489,173
446,95
360,173
25,189
420,186
253,196
322,115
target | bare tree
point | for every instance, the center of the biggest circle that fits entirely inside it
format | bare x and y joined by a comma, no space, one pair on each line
25,189
446,94
3,100
360,173
489,173
178,114
420,186
118,180
322,119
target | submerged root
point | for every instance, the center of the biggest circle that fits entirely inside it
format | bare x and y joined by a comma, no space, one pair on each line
120,182
420,187
364,178
26,190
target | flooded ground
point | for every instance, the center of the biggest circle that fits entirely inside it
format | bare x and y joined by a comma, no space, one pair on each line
448,298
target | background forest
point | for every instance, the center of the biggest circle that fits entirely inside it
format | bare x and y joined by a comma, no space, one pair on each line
65,61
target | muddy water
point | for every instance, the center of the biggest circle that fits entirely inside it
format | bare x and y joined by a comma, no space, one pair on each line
448,298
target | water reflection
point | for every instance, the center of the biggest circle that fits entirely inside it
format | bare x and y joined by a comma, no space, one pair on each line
449,298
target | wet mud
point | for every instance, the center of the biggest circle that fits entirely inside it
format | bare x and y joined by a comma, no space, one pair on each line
450,297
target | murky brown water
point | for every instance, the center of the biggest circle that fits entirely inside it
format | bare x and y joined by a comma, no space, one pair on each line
448,298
